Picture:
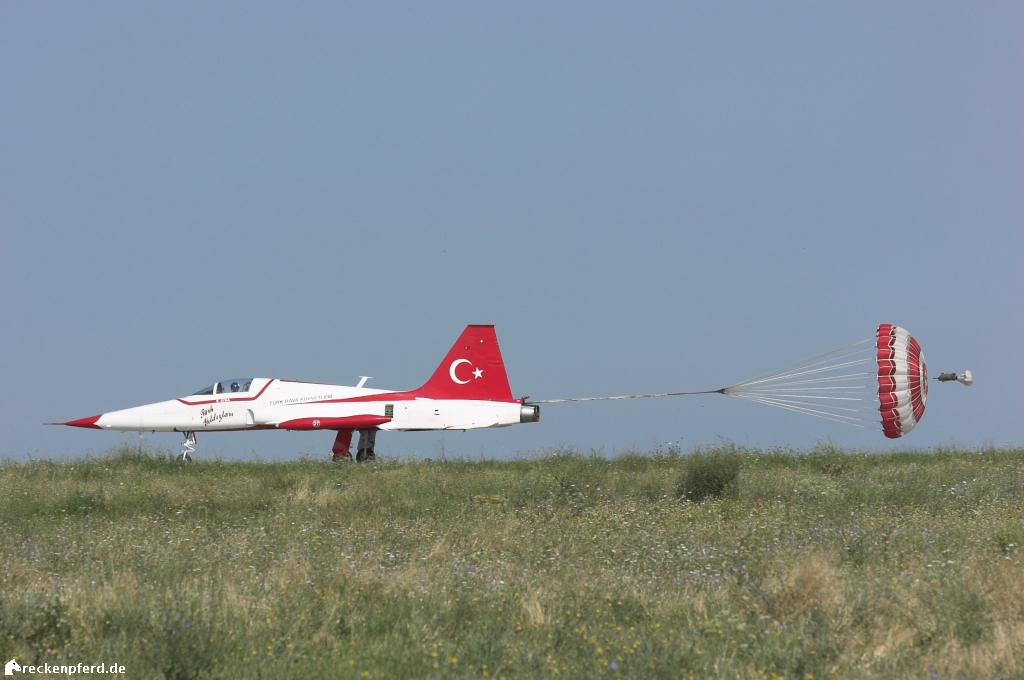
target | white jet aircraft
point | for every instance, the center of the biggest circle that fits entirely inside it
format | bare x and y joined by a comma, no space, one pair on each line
468,390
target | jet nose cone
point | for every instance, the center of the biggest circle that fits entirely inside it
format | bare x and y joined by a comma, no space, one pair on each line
84,422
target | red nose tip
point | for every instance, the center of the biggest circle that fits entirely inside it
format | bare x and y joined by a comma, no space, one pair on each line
84,422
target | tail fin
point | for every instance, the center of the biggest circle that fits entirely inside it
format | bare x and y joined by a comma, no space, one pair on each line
472,369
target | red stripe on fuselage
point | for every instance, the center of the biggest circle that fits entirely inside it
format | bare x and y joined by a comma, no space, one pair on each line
349,422
408,395
388,396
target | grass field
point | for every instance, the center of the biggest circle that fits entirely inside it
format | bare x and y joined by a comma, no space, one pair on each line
811,565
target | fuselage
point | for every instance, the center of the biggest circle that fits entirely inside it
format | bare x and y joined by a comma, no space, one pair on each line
468,390
294,405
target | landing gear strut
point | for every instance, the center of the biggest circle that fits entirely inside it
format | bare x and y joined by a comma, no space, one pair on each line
341,444
188,448
364,450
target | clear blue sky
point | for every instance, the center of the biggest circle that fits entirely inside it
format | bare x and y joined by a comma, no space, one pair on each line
643,197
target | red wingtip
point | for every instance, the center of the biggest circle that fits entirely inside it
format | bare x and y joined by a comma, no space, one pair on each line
84,422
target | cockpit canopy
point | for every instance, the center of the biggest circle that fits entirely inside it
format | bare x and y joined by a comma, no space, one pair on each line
235,385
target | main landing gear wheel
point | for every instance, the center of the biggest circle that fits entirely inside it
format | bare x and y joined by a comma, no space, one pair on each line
188,448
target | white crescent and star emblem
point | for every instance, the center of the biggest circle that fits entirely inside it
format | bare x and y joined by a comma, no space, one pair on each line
477,373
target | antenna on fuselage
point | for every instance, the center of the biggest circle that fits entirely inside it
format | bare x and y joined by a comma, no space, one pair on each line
362,380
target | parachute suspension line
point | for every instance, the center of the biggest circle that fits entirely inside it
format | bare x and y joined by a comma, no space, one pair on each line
832,386
823,366
809,361
797,374
793,406
809,369
847,420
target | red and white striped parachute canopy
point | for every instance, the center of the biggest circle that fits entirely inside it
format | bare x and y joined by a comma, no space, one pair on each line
902,380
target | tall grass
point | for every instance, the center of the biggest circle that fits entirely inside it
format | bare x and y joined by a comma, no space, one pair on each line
710,474
817,564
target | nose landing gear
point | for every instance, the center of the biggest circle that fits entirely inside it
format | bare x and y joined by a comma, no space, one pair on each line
188,448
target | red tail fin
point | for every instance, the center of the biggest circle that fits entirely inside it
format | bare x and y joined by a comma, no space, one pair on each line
473,369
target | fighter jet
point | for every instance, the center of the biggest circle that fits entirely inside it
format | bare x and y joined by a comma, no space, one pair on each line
469,390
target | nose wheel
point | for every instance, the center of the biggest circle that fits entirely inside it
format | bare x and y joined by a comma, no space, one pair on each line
188,448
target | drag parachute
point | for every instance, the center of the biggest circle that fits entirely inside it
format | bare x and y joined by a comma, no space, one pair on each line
854,384
876,381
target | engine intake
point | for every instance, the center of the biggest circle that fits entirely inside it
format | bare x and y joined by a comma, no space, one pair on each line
529,413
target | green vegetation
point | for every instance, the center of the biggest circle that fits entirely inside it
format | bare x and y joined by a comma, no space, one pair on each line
798,565
709,474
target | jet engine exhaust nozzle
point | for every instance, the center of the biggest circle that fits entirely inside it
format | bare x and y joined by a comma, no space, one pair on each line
529,413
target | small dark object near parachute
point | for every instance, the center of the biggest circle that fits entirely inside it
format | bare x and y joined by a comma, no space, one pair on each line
965,378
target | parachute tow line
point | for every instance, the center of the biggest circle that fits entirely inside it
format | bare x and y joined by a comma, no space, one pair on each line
627,396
